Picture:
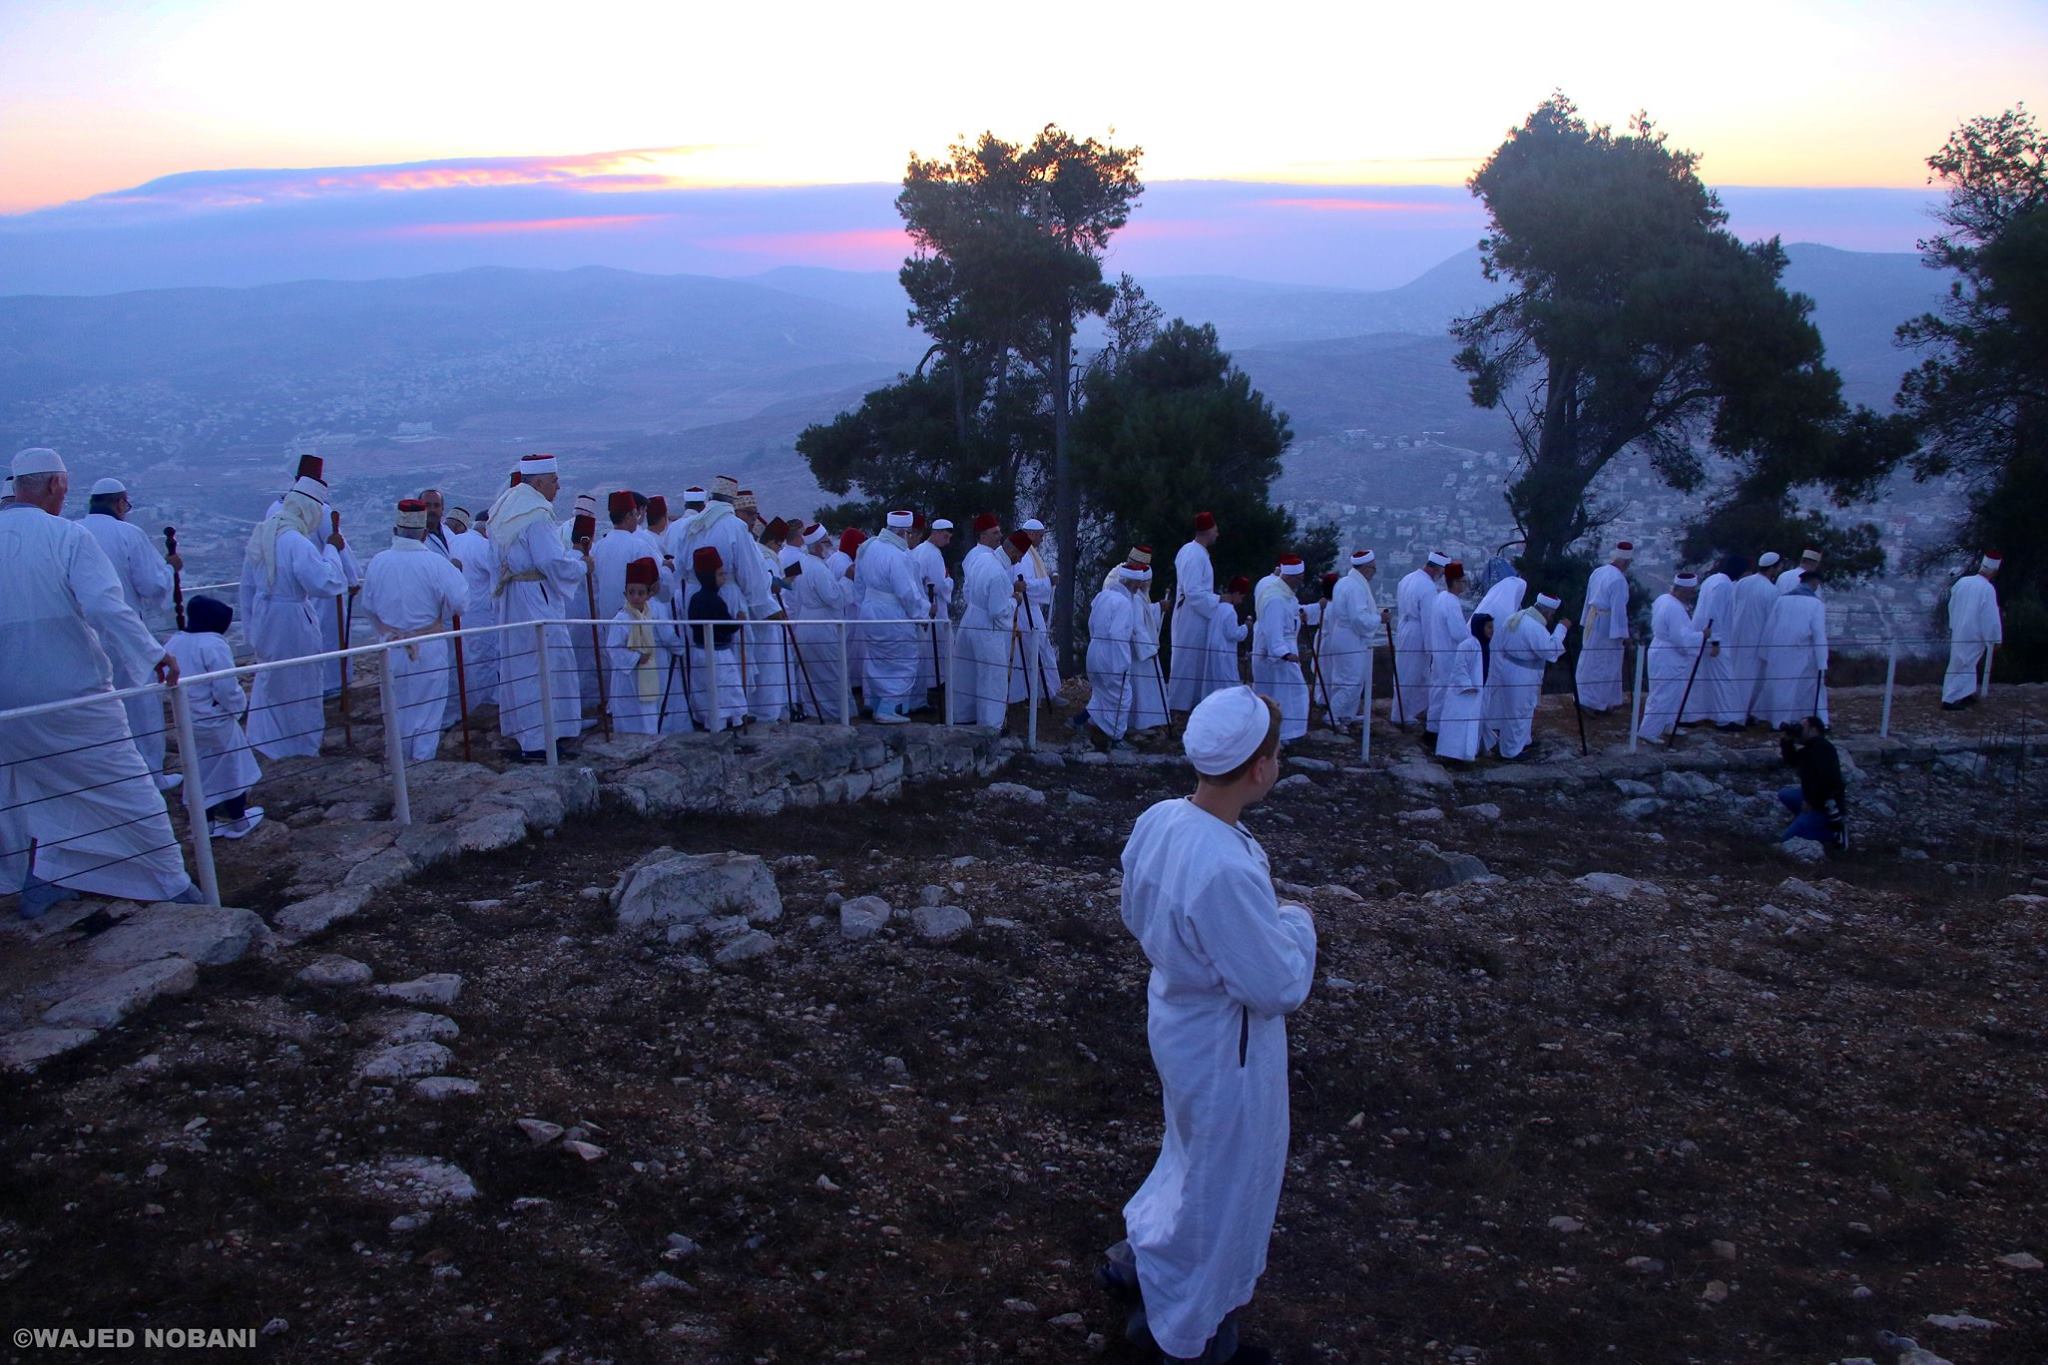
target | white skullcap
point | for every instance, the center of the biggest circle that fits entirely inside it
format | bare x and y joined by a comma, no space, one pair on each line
306,486
1225,729
942,525
900,521
1034,524
1547,602
1767,559
1990,562
1361,558
38,460
535,466
106,487
1809,556
1686,580
1439,559
460,514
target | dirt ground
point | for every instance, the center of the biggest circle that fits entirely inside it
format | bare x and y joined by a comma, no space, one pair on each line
1780,1119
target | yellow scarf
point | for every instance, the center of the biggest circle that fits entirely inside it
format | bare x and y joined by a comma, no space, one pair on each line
640,639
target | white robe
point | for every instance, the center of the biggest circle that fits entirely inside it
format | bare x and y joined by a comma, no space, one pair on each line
1276,622
479,563
1112,653
71,780
1036,577
1973,626
145,578
1795,653
719,689
1603,628
646,686
1226,633
1714,693
1749,617
890,592
227,765
1229,963
538,578
1411,655
984,658
1148,683
1522,646
1503,599
410,591
332,622
1196,672
937,586
1457,734
841,564
289,618
1675,645
820,594
771,676
1443,626
1350,628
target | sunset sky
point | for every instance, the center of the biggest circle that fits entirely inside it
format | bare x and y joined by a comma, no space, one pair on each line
606,111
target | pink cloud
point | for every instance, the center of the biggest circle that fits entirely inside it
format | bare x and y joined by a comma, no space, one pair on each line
847,246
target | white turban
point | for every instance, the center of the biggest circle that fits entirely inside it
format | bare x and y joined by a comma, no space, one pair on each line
1361,558
1439,559
1547,602
1225,729
1990,562
1686,580
900,521
694,496
537,466
108,487
1810,556
1033,524
38,460
815,533
1134,573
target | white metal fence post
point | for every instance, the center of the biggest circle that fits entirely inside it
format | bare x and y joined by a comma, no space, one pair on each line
1031,687
952,669
845,681
714,722
394,740
1635,724
1984,688
195,795
1365,718
547,688
1891,674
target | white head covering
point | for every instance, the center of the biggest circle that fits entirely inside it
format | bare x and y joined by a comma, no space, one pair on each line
105,487
1032,524
1225,729
942,525
1290,567
299,511
1438,558
694,496
1990,562
1809,556
1134,573
725,486
1547,602
38,460
900,521
410,519
535,466
1686,580
815,533
1361,558
455,516
1767,559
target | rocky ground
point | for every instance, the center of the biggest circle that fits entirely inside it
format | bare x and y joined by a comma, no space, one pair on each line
1573,1084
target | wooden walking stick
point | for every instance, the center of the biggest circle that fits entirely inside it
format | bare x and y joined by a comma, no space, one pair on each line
461,686
177,577
1394,663
341,630
1706,643
804,671
582,530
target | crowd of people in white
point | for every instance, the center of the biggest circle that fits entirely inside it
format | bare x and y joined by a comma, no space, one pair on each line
713,616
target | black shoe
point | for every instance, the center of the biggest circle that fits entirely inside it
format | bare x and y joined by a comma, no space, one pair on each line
1953,705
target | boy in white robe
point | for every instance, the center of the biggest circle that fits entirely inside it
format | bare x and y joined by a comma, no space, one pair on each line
819,593
409,592
1229,963
227,765
1112,652
1443,629
712,632
1973,628
1276,657
1226,633
1463,705
640,644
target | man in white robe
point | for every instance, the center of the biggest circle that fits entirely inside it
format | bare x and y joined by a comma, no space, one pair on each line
1498,603
1039,581
1195,674
1603,629
1809,560
1974,626
841,562
980,691
1521,650
469,549
539,580
71,782
771,684
146,579
1112,652
409,591
1750,616
930,560
819,593
291,578
1464,699
1276,655
1677,646
1443,629
892,602
1713,693
1412,597
1795,656
1229,964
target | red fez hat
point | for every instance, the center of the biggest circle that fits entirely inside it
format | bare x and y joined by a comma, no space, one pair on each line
1454,571
657,509
850,539
411,505
620,502
987,521
1239,584
1290,560
643,571
1329,580
778,529
1021,539
1205,521
312,467
584,527
706,558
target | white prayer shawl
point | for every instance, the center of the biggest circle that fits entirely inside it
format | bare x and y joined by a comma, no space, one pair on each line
1196,672
1714,695
1795,653
1457,734
1036,576
1521,649
1443,626
1351,627
292,512
98,819
609,559
472,550
1603,628
1277,619
740,555
1112,653
1226,633
1229,963
227,765
1411,664
1503,599
286,615
821,594
537,581
1973,625
890,591
640,649
411,591
1750,616
980,687
930,563
1675,643
146,584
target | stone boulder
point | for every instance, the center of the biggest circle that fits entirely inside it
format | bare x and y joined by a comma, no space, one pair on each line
667,888
1429,776
940,923
1619,887
863,917
1687,786
1441,871
107,1002
211,936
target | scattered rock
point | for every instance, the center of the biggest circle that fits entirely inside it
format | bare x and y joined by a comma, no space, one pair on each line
1441,871
1628,786
1014,791
1640,808
1685,786
437,1088
1485,812
666,888
413,1026
1715,1292
940,923
31,1047
2020,1260
1565,1223
406,1061
662,1282
1021,1306
410,1222
749,945
540,1132
1960,1322
1422,775
863,917
211,936
415,1181
1723,1250
1803,851
1620,887
1645,1265
107,1002
1795,889
435,988
1294,782
334,972
1427,815
589,1151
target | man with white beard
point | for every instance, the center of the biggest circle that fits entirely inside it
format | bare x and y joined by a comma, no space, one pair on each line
891,592
410,591
1521,650
820,593
1351,627
1276,657
71,785
291,577
1795,655
1112,631
1714,694
1443,629
1750,615
1412,597
146,578
469,549
1195,674
1677,645
1603,628
1973,628
538,580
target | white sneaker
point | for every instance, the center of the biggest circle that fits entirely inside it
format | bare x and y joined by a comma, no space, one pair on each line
891,718
244,827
